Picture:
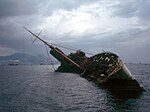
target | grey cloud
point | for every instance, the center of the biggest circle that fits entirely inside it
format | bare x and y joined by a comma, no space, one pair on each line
66,5
31,13
94,43
133,8
126,8
43,7
144,11
13,36
18,7
125,44
22,44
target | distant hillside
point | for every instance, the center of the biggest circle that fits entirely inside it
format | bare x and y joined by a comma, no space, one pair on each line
25,59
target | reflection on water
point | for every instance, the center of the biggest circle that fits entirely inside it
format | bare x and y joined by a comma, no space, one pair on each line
36,89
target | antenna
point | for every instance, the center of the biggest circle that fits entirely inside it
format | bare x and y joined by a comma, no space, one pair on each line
36,38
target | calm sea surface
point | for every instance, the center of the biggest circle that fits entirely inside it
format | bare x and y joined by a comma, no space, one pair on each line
37,88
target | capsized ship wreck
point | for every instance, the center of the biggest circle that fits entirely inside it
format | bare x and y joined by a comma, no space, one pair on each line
106,69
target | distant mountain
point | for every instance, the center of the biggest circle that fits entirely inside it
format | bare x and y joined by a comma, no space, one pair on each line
25,59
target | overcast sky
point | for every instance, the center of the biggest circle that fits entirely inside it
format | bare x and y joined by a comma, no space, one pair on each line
119,26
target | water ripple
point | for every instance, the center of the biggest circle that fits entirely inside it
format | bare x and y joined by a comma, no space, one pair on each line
35,89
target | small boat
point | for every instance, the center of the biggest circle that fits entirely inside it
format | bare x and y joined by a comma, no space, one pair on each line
14,62
106,69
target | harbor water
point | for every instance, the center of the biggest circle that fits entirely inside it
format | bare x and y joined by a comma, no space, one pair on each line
37,88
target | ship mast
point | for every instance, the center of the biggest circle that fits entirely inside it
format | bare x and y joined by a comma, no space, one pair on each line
55,49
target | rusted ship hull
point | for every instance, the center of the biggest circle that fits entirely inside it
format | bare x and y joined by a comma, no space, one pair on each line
119,81
106,69
103,72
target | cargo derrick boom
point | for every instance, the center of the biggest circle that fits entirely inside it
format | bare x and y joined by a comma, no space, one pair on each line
57,53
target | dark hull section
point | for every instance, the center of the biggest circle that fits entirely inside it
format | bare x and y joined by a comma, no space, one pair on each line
123,88
120,88
122,84
117,84
68,68
105,69
65,66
